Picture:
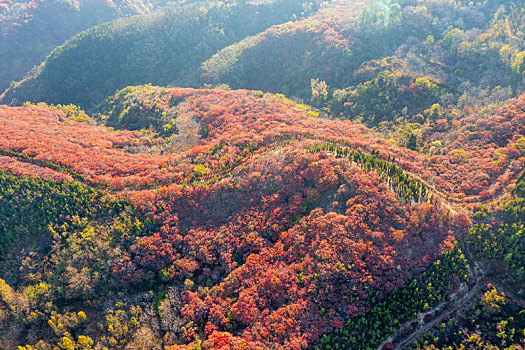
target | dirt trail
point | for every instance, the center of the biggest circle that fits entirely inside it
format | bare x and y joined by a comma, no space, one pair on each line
470,298
188,129
482,278
460,303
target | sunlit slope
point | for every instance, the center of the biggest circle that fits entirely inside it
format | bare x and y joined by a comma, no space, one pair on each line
466,48
30,30
165,47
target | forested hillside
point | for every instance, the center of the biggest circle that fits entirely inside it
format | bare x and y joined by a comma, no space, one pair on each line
164,47
30,30
281,201
383,60
306,175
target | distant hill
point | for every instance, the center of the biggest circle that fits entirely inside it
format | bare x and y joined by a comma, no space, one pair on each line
30,30
368,50
164,47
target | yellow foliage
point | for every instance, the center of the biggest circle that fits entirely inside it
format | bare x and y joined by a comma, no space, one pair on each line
312,114
302,106
35,292
7,294
460,155
505,52
492,301
68,344
200,170
520,144
319,90
84,342
423,83
517,62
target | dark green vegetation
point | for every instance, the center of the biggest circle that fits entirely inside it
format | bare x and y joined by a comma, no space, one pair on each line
164,47
30,30
32,209
56,240
401,306
30,205
494,321
497,237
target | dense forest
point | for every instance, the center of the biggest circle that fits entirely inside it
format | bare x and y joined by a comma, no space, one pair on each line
30,30
384,61
262,174
164,47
